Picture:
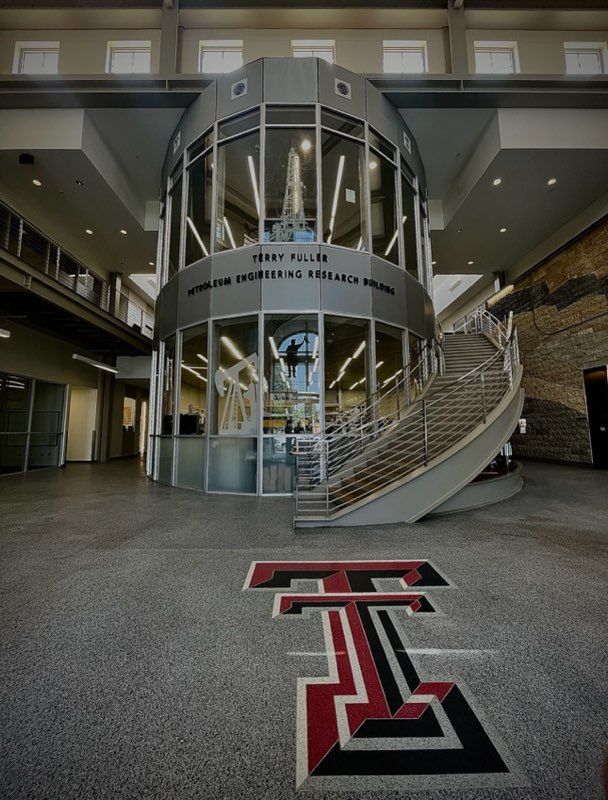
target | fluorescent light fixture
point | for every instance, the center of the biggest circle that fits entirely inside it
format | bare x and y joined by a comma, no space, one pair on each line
196,234
350,388
315,348
194,372
202,357
391,243
470,263
92,363
340,376
37,182
230,236
346,363
360,243
359,349
273,347
4,334
496,181
455,285
232,347
334,205
254,183
332,384
315,366
379,364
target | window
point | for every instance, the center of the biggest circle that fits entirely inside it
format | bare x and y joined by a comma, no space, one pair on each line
343,169
193,382
384,208
220,55
405,56
585,58
36,58
238,193
128,57
408,221
314,48
346,366
198,221
498,58
175,221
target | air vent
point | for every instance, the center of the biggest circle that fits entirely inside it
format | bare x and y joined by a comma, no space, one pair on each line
238,89
344,89
407,142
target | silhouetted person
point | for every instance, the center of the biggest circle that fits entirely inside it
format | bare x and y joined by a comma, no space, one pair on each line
291,356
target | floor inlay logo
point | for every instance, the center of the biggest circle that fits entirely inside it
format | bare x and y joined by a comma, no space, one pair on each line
373,721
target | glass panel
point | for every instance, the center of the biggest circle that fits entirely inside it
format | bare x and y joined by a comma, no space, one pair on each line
232,465
12,452
279,465
47,411
409,228
14,403
13,234
424,278
174,228
338,122
346,366
381,144
384,210
164,455
193,382
240,124
236,378
33,247
68,269
290,115
205,141
291,186
198,221
191,462
415,378
238,201
166,419
221,59
292,375
389,355
343,184
90,286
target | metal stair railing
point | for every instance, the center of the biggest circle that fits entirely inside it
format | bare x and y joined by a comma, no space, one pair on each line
334,473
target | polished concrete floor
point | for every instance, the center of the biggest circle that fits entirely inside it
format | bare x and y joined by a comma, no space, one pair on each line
133,665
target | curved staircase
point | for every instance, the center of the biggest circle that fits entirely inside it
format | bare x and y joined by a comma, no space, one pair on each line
408,449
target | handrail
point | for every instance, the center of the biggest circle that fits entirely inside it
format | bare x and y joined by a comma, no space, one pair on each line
24,240
333,472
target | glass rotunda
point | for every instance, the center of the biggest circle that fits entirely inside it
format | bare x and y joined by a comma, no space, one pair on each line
294,271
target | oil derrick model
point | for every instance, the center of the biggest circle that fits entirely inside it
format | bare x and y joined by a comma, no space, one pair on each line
292,225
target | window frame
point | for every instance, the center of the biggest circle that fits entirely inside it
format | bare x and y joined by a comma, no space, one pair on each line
403,46
300,48
576,48
24,47
219,46
491,46
128,46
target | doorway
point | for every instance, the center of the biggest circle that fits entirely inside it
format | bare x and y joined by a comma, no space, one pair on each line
81,423
596,392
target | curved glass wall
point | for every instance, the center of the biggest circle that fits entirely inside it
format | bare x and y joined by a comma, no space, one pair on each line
296,174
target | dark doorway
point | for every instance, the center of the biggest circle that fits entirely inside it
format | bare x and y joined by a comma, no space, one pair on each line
596,391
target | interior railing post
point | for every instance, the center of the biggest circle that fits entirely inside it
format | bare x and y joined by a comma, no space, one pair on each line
483,396
426,436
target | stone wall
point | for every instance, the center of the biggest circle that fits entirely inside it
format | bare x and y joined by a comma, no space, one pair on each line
561,313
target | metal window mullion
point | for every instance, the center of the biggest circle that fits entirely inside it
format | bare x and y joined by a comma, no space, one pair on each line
177,379
321,334
64,425
182,217
260,422
318,169
399,208
372,384
151,444
208,404
262,174
368,193
28,425
213,192
418,229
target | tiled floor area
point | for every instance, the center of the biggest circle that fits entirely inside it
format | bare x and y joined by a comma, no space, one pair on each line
133,664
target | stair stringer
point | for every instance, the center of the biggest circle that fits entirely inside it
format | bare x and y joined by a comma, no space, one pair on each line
431,486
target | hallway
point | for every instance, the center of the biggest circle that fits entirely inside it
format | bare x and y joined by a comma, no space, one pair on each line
133,664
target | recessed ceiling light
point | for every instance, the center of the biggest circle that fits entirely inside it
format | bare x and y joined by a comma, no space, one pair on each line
151,263
89,231
503,230
123,231
458,230
434,262
306,145
79,183
373,164
496,181
551,181
37,182
470,263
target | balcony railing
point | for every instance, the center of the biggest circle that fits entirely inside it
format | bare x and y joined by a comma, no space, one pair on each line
29,244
